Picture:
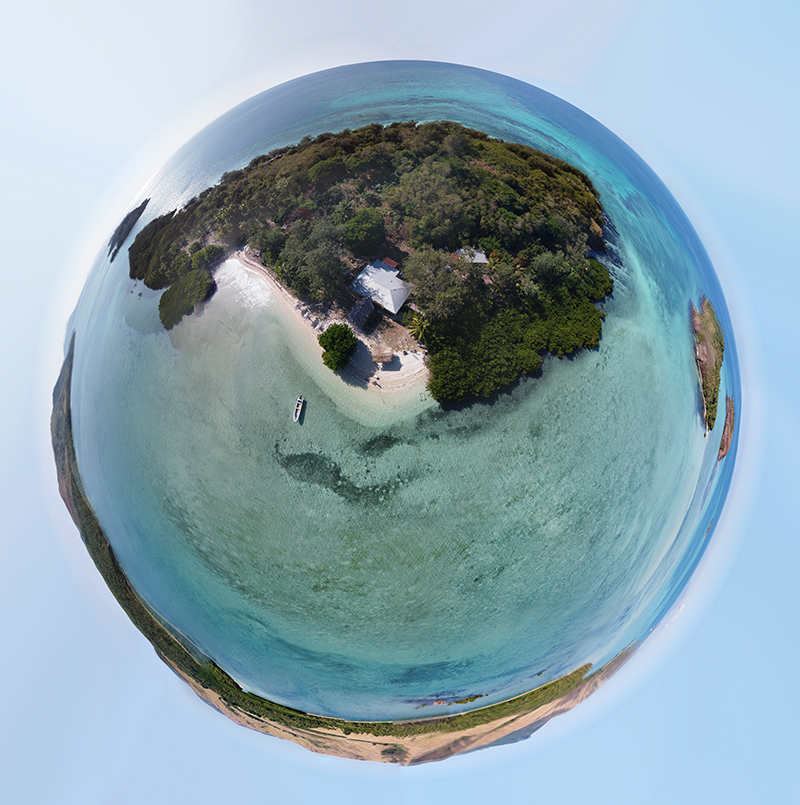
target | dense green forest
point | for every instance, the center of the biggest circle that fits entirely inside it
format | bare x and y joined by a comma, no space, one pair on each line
425,195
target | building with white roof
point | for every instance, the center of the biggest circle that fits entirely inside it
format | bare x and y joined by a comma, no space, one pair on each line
474,256
381,283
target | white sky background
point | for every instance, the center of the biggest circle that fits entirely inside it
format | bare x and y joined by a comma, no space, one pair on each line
96,96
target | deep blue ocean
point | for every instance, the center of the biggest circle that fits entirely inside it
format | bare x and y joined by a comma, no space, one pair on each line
381,557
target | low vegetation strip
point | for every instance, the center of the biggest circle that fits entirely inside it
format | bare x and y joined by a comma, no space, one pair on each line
124,229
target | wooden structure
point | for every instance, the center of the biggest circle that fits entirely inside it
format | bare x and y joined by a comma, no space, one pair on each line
360,312
381,355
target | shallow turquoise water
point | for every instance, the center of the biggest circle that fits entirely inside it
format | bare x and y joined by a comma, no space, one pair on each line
383,556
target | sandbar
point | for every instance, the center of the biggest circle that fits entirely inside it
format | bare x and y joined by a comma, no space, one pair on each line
407,369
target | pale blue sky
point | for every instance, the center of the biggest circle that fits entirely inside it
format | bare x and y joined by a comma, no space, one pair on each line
96,96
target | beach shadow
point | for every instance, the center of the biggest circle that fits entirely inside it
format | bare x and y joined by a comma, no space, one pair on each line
360,369
393,366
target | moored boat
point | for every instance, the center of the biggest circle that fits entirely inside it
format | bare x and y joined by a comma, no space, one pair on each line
298,407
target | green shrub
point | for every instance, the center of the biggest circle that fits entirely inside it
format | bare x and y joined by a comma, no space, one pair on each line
339,344
270,243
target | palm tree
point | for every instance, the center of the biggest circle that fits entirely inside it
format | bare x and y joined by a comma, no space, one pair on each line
418,326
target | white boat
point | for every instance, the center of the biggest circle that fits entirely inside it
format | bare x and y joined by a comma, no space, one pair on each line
298,408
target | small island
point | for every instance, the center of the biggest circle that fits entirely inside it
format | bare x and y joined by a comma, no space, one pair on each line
708,352
727,430
124,229
496,244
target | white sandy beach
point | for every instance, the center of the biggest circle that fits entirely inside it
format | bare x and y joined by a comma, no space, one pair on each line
406,371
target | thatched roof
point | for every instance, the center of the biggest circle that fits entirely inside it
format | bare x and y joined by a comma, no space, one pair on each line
381,355
360,312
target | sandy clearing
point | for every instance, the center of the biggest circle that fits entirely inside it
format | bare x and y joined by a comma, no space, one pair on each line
406,370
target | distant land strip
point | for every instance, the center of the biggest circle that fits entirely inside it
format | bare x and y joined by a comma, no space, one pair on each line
124,229
708,352
727,431
497,243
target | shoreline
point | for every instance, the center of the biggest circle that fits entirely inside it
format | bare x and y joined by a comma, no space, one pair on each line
407,370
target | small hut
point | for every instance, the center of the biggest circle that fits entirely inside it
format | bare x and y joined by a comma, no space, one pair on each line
381,355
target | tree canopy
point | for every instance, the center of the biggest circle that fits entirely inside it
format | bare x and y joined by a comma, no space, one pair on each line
365,232
339,344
